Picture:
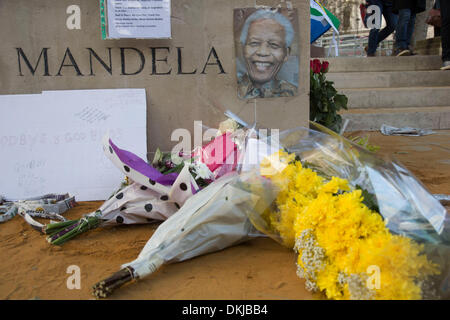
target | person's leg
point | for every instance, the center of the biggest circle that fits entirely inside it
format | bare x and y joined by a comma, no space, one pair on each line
404,16
410,30
437,32
373,34
445,32
373,40
391,23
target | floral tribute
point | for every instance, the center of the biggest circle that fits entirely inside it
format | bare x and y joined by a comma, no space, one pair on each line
338,238
154,191
325,102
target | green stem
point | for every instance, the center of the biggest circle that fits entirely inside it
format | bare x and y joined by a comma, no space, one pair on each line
58,226
91,223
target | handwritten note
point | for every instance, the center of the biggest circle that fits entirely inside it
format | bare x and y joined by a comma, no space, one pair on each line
52,142
92,115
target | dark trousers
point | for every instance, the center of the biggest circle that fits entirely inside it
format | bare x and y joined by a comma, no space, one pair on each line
375,35
405,28
445,29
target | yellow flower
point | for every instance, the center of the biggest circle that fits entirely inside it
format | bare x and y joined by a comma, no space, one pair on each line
335,185
352,237
275,163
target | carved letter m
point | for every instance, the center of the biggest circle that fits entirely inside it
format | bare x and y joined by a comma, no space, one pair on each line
20,53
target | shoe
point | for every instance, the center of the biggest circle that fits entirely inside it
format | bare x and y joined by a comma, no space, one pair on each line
412,51
446,65
403,53
366,49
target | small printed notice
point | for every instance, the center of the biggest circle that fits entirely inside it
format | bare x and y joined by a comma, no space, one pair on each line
138,19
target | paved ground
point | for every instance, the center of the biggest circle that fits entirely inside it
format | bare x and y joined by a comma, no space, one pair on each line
258,269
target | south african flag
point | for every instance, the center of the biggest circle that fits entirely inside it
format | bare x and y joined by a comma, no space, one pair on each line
321,20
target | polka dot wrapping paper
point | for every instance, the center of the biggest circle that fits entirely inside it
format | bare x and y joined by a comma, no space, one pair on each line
152,195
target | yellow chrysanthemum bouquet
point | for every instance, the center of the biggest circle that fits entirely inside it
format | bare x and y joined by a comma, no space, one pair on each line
363,227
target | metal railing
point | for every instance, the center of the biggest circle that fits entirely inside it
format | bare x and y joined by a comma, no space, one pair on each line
353,44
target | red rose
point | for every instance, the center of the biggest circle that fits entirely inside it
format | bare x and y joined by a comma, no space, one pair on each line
317,66
325,65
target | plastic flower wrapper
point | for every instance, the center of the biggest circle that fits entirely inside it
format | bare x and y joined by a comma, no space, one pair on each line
221,155
363,226
210,161
209,221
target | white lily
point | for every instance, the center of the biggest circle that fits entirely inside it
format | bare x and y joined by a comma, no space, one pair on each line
202,171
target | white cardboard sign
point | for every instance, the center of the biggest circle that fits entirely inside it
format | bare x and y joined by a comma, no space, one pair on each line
52,142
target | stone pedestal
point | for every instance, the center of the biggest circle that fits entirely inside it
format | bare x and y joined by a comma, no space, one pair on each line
189,77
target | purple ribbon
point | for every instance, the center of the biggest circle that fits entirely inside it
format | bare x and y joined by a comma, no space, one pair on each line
136,163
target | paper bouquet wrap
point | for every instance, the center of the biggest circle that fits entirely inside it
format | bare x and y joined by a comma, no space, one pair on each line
209,221
155,193
152,196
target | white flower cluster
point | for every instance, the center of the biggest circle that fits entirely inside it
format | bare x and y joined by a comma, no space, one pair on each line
201,170
356,286
312,257
228,125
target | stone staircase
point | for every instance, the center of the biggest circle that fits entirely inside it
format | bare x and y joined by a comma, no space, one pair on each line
431,46
397,91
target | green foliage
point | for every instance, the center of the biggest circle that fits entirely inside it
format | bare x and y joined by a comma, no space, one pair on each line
326,102
369,199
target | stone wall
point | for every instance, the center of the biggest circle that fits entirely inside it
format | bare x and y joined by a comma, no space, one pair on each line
189,77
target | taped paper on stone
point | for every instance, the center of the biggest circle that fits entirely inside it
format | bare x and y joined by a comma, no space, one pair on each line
135,19
267,62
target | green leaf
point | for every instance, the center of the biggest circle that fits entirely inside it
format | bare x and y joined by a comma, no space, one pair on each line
312,114
369,199
176,169
157,158
325,102
341,101
330,91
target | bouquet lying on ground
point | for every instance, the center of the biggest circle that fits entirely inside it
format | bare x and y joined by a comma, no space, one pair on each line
209,221
363,227
156,190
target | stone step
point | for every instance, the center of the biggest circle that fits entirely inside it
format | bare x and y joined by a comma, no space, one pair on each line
430,51
428,43
429,46
371,119
389,79
364,64
412,97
